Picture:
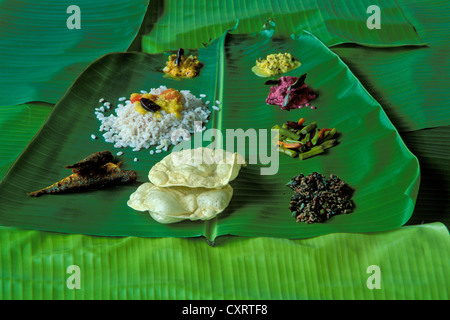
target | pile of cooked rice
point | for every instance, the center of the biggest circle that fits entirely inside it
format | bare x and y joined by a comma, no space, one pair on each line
129,128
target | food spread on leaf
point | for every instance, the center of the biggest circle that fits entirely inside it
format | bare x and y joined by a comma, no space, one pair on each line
275,64
290,93
178,65
317,198
296,139
95,171
191,184
194,184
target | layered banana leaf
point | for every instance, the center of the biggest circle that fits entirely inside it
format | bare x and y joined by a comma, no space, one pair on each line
382,71
370,157
171,24
27,119
41,55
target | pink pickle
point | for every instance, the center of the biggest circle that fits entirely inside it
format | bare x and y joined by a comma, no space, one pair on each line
299,96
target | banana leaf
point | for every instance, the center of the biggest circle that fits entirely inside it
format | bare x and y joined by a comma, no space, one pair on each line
424,104
191,23
371,156
432,148
386,73
413,265
41,56
18,125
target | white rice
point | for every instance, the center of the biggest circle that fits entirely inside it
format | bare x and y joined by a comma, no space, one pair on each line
129,128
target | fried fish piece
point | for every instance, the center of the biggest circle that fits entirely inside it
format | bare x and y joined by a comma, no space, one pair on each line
106,175
95,160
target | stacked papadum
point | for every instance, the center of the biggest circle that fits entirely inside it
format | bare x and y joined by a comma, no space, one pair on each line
191,184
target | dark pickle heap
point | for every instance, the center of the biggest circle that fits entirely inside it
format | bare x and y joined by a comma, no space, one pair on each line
317,198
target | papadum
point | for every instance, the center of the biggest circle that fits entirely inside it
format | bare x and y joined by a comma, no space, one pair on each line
173,204
197,168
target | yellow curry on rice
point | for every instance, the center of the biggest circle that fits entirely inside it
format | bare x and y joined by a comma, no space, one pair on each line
169,101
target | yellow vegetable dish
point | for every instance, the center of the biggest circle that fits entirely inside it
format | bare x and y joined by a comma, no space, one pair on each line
275,64
169,101
180,66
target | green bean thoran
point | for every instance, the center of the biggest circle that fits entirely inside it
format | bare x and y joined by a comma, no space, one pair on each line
298,140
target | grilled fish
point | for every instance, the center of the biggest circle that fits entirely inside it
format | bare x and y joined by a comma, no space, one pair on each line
104,175
95,160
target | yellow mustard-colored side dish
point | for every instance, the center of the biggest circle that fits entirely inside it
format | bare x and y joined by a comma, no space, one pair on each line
169,101
275,64
180,66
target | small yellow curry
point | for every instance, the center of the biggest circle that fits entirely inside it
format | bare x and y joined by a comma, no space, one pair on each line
180,66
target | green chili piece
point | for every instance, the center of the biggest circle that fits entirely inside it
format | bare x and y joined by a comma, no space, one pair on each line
315,138
308,138
289,152
313,152
330,135
328,144
289,134
309,128
287,140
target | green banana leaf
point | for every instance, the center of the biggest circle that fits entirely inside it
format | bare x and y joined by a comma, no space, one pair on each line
424,104
432,148
41,56
413,265
191,23
371,156
386,73
26,120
